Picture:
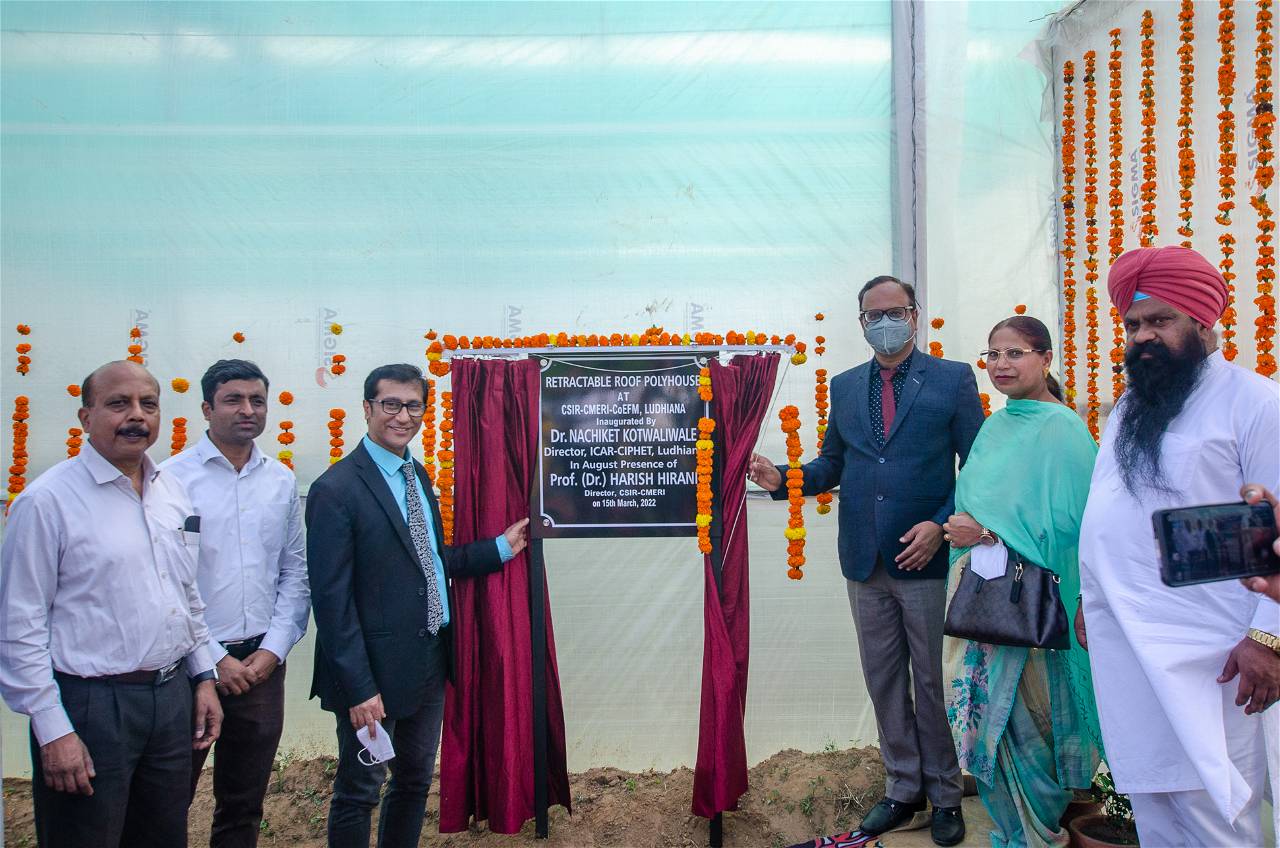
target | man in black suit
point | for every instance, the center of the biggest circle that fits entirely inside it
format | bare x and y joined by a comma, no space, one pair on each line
899,425
380,595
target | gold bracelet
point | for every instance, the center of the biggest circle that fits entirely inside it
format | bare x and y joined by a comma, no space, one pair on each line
1264,638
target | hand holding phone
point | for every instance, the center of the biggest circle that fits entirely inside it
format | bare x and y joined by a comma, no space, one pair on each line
1204,544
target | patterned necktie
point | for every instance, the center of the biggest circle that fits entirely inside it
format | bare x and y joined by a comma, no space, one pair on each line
421,544
887,402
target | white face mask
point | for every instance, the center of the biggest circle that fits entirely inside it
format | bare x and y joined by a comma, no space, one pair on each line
378,747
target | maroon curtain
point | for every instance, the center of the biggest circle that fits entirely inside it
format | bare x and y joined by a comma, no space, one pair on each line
741,392
486,758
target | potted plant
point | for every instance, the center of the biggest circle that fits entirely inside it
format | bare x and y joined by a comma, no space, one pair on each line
1082,803
1113,827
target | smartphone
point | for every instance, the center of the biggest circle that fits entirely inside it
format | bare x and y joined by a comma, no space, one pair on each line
1203,544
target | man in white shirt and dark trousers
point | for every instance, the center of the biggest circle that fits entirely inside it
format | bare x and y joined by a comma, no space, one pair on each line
253,578
101,627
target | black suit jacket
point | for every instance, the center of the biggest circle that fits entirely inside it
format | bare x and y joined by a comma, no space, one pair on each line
885,490
368,593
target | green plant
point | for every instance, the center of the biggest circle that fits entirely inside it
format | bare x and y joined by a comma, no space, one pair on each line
1116,811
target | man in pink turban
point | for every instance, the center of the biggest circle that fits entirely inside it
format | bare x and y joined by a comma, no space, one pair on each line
1183,676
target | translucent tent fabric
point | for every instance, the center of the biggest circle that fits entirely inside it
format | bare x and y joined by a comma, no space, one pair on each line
198,169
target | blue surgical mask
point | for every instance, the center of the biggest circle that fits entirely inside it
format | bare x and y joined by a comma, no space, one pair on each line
888,336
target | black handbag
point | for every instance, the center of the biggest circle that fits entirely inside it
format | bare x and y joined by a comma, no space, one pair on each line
1021,608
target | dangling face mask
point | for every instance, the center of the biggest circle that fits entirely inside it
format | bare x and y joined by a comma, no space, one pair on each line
887,335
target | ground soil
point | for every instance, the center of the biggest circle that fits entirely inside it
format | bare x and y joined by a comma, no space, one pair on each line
794,796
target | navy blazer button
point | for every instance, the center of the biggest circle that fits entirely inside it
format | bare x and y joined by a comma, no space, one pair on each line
882,460
879,497
422,632
421,592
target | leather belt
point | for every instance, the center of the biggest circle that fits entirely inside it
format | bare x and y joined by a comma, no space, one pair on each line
244,647
154,677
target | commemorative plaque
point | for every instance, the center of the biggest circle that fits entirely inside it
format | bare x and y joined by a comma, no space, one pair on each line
617,447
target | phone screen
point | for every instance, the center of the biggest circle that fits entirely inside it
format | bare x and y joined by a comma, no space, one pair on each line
1202,544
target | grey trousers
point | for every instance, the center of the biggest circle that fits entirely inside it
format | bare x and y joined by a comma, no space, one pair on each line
899,625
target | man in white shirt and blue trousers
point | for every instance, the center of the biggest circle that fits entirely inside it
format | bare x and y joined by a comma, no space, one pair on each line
102,627
253,579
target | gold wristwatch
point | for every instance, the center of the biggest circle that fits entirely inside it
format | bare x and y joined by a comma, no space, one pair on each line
1264,638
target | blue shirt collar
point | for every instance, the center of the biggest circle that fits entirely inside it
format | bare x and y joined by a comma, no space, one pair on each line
385,459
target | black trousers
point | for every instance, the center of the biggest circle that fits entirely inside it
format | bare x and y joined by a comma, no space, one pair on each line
139,737
243,758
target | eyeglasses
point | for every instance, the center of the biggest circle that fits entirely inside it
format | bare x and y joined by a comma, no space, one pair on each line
1013,354
391,406
896,313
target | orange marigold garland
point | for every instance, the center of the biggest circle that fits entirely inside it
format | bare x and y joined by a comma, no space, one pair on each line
179,385
237,337
429,432
1227,168
935,348
24,360
1263,123
336,417
821,402
795,532
705,455
1068,233
286,437
986,403
74,441
18,468
1092,360
179,439
135,346
337,365
1186,155
24,330
1115,202
1148,229
444,477
73,390
820,343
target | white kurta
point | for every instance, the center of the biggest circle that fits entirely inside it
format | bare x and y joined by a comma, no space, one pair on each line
1156,651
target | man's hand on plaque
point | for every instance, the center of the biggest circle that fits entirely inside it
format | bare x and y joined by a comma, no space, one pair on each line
518,535
764,473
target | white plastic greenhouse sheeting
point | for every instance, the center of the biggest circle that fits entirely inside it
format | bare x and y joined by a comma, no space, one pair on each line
504,169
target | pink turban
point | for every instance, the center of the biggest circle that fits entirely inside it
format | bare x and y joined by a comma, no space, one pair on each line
1174,275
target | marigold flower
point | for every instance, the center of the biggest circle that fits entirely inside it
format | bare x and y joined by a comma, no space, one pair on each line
179,385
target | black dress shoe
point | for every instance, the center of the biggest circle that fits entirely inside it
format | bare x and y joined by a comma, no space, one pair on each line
889,815
948,826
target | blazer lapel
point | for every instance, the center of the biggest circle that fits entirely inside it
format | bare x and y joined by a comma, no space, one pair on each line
915,380
372,477
862,399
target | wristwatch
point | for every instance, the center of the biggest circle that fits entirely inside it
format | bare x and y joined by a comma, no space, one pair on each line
1264,638
197,679
986,537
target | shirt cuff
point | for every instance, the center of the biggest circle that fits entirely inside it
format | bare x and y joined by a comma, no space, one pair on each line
277,643
48,725
216,653
199,660
1267,617
504,548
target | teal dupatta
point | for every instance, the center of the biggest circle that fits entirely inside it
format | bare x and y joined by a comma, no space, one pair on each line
1026,479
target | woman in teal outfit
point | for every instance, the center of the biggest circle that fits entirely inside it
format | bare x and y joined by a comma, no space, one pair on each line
1023,719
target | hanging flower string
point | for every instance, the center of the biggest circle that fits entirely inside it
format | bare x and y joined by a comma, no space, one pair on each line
1092,360
429,432
704,462
179,385
337,364
286,437
935,347
1263,123
74,441
24,358
821,392
1227,168
986,403
820,345
18,468
237,337
795,532
444,478
336,417
1115,202
1068,234
1186,154
135,346
1148,229
179,439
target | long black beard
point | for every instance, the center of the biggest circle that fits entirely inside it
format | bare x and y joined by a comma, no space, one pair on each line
1157,391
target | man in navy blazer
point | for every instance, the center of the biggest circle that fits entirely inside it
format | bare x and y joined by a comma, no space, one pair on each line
381,579
898,425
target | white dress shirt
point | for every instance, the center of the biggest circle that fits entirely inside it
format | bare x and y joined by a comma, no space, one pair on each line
95,581
1156,650
253,573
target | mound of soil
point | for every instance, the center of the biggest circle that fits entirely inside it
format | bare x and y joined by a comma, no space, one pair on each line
793,796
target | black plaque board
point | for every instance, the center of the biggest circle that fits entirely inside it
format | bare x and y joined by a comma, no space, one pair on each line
617,445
